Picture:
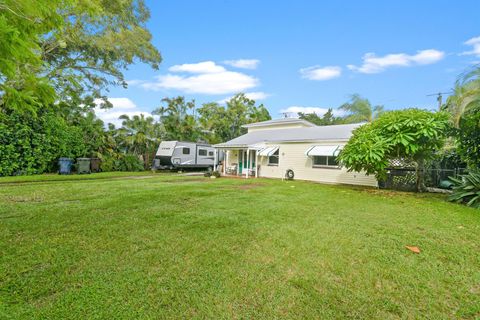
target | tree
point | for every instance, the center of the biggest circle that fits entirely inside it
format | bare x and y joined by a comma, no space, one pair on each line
468,137
327,119
225,123
140,135
466,95
239,111
69,51
98,40
178,120
22,24
360,110
92,132
212,120
57,58
411,134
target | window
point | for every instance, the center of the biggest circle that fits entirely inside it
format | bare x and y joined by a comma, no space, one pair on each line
202,152
186,150
210,153
273,159
325,161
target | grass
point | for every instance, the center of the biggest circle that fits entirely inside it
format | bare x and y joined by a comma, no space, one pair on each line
166,246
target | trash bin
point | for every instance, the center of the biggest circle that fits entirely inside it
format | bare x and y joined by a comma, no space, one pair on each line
83,165
95,164
446,184
65,165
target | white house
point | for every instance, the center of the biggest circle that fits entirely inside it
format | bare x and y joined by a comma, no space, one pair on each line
271,148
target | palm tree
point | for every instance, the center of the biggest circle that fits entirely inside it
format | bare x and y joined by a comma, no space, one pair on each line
178,119
140,135
360,110
466,94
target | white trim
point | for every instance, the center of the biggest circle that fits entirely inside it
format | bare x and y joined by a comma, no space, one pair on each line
256,164
215,160
248,162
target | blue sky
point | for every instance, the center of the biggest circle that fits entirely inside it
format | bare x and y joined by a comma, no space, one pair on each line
304,54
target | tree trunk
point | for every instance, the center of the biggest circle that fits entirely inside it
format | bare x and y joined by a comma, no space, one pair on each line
146,159
420,175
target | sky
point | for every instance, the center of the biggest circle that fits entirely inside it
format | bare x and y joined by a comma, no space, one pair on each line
303,55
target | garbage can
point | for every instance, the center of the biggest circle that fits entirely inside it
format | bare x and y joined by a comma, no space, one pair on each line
83,165
65,165
95,164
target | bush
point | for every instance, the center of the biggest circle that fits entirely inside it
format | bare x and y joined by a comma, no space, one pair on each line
108,163
121,162
32,144
129,162
207,174
468,137
466,189
216,174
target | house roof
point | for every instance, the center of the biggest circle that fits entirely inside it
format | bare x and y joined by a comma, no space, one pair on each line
341,132
281,121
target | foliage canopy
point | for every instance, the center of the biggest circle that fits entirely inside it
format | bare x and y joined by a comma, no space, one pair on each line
410,134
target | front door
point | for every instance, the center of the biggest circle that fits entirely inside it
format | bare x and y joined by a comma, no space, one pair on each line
243,162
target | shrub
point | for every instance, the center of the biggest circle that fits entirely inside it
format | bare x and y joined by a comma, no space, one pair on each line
207,174
129,162
411,134
466,189
468,137
121,162
216,174
108,163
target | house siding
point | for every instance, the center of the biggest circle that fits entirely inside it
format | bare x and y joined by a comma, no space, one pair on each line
292,156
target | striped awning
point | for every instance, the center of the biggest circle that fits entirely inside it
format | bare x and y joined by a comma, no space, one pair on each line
267,152
323,151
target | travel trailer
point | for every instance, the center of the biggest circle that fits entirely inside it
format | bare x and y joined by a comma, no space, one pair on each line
181,154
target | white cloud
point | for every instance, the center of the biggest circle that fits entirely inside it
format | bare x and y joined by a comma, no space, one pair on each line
250,95
243,63
319,111
427,56
475,43
120,107
119,103
201,67
375,64
134,82
321,73
257,95
208,78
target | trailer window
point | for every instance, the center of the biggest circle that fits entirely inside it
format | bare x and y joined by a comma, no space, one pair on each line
210,153
202,152
186,150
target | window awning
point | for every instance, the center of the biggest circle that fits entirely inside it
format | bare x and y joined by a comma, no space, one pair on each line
267,152
323,151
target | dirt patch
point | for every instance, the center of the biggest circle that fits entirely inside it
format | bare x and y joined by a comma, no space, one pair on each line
185,180
17,199
383,193
140,177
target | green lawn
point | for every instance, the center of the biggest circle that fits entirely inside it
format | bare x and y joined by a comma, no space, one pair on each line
165,246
